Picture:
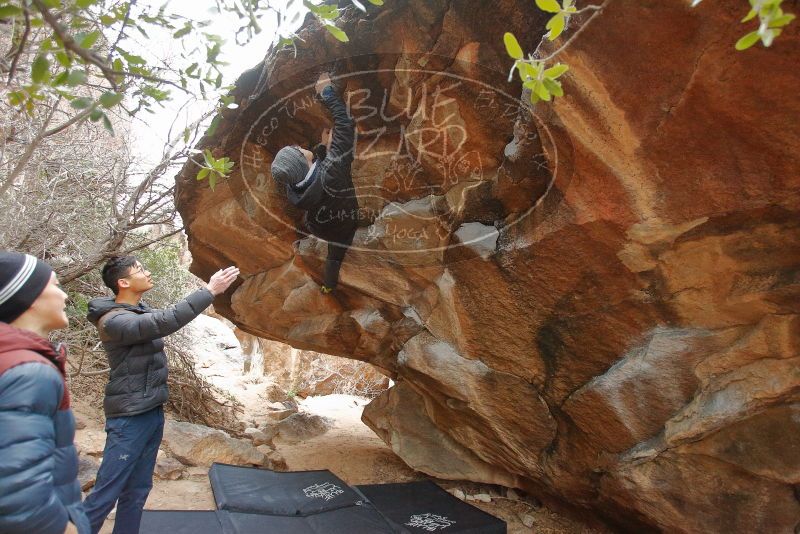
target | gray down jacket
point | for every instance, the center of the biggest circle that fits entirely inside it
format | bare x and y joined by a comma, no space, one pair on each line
131,337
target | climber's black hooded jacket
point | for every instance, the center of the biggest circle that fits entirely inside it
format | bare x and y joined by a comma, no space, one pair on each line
329,197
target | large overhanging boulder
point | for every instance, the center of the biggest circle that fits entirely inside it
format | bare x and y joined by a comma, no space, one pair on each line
596,301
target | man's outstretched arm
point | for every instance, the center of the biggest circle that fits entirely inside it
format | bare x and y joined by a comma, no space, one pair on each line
137,328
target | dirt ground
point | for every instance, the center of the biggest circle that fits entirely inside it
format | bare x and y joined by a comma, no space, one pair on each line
349,449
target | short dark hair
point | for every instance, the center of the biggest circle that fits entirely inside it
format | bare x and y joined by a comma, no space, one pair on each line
115,268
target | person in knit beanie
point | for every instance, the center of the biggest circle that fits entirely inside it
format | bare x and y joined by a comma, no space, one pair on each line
320,182
39,488
23,278
290,165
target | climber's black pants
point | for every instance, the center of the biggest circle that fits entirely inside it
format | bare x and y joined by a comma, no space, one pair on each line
336,253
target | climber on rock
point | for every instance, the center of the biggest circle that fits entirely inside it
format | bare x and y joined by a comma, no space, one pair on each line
320,183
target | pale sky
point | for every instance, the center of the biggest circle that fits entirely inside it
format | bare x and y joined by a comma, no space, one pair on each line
149,131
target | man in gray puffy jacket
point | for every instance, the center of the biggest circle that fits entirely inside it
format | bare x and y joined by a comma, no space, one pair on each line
131,333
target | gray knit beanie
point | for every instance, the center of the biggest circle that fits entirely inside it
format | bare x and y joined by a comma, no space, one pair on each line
289,166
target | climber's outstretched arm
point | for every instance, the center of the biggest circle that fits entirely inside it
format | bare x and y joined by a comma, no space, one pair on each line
343,137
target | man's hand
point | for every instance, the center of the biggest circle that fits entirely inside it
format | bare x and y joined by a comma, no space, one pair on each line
323,82
222,280
71,528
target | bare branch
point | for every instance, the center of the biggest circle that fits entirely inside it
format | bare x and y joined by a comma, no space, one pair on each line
113,47
29,150
23,40
66,124
152,241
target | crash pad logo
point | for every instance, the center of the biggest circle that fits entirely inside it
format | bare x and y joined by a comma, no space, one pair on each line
326,491
430,522
433,150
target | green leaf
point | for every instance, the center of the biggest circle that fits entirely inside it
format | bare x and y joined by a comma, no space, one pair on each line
203,173
512,46
556,70
83,4
376,2
10,11
528,71
747,41
336,32
187,28
61,79
16,98
212,52
212,180
110,99
155,93
95,115
782,21
553,87
208,157
750,16
76,77
213,126
541,91
63,59
107,124
40,69
88,39
133,59
326,12
551,6
81,103
556,26
186,133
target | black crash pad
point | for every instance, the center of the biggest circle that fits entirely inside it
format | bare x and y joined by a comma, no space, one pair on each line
261,491
358,519
425,507
361,519
180,522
